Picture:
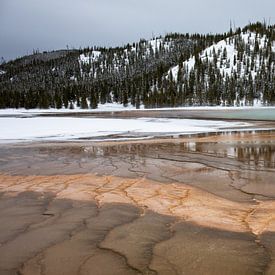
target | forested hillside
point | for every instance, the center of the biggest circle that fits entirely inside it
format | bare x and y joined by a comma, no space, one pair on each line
235,68
238,70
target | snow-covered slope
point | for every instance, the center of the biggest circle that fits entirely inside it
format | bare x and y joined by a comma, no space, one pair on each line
238,70
129,60
227,57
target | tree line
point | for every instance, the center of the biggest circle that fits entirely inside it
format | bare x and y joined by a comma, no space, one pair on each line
140,73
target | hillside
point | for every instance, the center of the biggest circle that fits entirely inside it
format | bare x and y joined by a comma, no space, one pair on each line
235,68
238,70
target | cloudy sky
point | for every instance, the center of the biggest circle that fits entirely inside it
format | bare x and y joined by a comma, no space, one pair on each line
53,24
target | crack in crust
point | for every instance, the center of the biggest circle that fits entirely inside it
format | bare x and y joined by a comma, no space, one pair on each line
176,199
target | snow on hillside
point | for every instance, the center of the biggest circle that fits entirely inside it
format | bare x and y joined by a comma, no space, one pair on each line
145,49
157,43
87,59
225,54
2,72
91,57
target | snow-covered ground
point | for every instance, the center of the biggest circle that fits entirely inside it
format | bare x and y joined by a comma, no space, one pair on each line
113,107
68,128
108,107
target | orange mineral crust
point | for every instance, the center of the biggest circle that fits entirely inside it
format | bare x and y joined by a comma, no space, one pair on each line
177,200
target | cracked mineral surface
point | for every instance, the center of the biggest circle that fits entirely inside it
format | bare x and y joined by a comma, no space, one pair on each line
191,205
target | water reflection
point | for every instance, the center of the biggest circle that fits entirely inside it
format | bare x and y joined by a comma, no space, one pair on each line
263,155
254,151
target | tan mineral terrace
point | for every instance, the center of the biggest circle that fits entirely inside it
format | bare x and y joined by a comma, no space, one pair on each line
178,200
43,240
194,205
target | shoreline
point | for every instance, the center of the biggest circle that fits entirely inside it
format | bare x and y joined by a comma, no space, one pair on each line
229,135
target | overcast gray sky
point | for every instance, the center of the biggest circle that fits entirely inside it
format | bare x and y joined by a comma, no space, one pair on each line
53,24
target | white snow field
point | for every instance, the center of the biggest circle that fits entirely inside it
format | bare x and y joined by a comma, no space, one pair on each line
68,128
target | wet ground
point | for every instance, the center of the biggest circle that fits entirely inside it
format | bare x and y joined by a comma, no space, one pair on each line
256,114
200,204
237,113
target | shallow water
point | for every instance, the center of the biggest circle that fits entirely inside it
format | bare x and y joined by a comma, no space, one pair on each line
264,114
256,152
255,114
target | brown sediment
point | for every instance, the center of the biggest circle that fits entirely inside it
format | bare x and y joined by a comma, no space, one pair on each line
178,200
88,223
201,205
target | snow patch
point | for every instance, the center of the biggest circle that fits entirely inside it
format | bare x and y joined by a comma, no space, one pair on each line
90,57
108,107
68,128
